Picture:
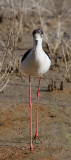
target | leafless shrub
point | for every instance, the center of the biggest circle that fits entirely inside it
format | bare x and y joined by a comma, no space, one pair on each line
53,32
9,63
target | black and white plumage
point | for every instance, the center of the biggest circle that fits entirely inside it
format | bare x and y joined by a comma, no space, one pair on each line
35,62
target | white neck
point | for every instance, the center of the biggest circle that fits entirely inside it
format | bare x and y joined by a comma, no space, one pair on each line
38,45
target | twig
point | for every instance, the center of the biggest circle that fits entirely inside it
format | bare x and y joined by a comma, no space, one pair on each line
5,85
67,67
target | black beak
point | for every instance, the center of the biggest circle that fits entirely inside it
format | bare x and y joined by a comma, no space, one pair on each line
36,41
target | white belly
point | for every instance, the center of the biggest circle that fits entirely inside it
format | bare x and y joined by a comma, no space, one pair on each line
36,64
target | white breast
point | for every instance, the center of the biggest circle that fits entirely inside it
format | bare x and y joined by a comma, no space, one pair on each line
43,61
36,63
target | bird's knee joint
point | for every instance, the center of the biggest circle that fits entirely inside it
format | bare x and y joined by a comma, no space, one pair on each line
37,94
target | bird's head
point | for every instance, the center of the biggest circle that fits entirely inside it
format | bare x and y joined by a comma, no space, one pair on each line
37,35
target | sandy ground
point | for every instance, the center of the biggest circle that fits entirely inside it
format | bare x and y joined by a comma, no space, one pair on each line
54,109
54,121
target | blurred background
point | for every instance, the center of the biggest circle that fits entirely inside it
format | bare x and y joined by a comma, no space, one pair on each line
17,21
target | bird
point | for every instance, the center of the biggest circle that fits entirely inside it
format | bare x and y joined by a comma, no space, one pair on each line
35,62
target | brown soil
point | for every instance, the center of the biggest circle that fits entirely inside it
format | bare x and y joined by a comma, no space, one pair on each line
54,122
54,108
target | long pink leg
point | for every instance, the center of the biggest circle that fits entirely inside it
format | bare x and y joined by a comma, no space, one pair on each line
31,145
37,109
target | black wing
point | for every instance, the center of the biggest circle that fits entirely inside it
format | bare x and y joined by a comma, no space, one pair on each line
47,54
48,50
25,55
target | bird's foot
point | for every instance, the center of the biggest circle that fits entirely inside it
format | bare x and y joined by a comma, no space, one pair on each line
31,147
36,137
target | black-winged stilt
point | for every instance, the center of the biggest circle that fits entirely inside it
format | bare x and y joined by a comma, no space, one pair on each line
35,62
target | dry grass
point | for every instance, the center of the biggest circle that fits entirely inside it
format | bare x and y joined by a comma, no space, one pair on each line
52,17
53,31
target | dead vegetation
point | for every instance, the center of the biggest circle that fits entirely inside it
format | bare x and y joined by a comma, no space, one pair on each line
24,16
18,18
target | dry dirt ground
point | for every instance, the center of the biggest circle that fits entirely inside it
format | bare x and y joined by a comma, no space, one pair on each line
54,110
54,121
